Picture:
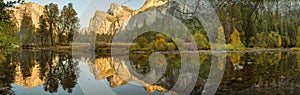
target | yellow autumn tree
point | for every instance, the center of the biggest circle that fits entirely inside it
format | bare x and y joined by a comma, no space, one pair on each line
235,37
235,41
221,35
220,41
160,44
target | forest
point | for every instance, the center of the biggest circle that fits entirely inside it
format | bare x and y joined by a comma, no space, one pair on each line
247,24
55,28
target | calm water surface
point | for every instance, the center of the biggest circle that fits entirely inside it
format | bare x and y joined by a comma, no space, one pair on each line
47,72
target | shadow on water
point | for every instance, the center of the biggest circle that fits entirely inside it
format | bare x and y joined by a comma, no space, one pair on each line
50,72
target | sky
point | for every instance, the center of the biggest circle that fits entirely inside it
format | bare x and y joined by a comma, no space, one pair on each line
87,8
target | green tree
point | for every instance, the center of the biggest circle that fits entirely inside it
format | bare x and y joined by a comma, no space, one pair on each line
298,37
43,32
142,42
7,29
27,30
7,36
68,23
52,13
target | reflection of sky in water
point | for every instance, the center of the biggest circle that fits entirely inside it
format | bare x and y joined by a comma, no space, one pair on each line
39,90
87,85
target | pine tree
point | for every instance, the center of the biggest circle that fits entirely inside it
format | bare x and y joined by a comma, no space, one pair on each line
43,32
27,36
52,13
68,23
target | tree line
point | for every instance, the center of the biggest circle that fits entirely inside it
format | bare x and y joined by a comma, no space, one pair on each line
260,23
245,24
56,27
251,24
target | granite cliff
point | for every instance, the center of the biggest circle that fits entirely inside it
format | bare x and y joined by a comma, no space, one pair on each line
110,22
32,9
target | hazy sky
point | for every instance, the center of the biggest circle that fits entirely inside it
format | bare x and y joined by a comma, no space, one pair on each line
87,8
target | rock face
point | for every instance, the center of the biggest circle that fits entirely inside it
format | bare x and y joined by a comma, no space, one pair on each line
109,23
32,9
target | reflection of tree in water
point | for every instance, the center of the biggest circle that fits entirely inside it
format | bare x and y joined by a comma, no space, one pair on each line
262,73
7,73
69,74
140,63
52,81
245,73
64,73
55,69
44,58
26,63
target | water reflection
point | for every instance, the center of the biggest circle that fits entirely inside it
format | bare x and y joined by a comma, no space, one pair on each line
30,69
49,72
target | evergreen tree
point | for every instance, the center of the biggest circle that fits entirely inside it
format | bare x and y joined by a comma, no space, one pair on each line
27,30
43,32
68,23
52,12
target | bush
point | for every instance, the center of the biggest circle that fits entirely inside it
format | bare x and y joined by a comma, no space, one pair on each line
171,47
235,47
142,42
201,41
160,44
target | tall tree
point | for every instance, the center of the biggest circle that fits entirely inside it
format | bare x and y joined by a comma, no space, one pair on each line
68,23
43,32
52,12
27,30
7,29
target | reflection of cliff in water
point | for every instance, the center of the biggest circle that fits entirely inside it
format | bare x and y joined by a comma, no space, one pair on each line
56,72
45,68
104,69
245,73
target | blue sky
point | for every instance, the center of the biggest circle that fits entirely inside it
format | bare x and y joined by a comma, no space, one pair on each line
87,8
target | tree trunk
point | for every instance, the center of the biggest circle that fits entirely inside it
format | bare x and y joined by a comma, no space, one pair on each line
51,35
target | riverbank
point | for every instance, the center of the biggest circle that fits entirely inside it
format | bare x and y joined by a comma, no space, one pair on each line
108,50
52,48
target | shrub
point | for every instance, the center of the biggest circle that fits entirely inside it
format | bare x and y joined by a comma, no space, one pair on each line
171,47
160,44
201,41
142,42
